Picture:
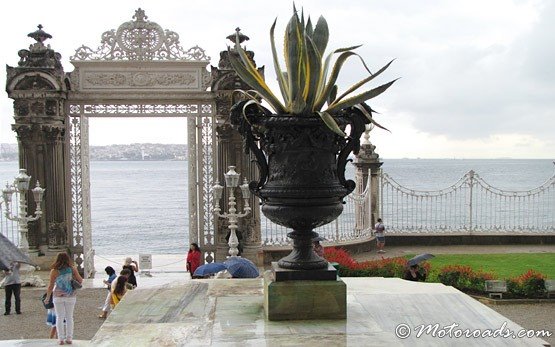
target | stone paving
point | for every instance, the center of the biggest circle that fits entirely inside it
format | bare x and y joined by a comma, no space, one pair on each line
168,271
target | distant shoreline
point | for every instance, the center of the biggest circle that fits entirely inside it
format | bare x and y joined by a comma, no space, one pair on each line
381,159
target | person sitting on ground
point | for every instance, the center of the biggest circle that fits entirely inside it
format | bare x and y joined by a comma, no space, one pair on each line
132,266
193,258
415,273
380,237
108,282
125,273
119,291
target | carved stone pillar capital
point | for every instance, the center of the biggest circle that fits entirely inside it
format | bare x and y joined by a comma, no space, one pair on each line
53,133
24,131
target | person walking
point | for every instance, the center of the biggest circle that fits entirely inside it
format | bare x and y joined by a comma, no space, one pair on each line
108,282
193,258
132,266
380,237
62,272
12,285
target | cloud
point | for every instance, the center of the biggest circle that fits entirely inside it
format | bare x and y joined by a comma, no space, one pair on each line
470,70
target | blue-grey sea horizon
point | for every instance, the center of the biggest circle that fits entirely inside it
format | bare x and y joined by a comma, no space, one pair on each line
142,206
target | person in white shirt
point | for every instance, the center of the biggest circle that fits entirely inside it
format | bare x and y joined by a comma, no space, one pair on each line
380,237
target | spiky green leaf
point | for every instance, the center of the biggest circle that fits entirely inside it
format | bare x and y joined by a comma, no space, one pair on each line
333,94
254,81
314,65
321,35
367,112
362,82
332,79
331,123
293,56
281,77
357,99
309,31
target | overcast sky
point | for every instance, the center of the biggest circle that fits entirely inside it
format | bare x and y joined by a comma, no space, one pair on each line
478,79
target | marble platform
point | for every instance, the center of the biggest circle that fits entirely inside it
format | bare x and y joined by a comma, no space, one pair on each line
229,312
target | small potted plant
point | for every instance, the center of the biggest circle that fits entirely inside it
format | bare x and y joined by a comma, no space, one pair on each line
301,148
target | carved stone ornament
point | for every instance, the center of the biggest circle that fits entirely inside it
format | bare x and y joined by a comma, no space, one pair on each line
140,39
21,107
39,55
140,79
57,234
53,133
34,83
24,131
224,99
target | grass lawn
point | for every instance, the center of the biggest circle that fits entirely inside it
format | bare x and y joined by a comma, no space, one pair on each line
503,265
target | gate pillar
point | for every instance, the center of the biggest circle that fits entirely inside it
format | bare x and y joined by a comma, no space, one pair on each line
38,87
225,83
367,162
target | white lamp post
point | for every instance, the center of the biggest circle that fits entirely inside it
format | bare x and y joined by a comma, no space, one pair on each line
21,186
232,182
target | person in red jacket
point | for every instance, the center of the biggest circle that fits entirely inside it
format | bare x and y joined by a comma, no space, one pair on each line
193,258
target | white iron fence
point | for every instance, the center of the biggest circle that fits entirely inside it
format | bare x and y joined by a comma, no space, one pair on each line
471,204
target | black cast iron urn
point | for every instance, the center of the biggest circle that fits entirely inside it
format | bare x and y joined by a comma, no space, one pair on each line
302,172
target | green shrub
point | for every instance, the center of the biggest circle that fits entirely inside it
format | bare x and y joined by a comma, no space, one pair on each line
464,278
530,284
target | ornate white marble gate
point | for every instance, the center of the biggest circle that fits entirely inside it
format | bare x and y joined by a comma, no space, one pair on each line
140,70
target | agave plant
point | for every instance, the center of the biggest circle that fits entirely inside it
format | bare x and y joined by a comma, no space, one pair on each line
307,85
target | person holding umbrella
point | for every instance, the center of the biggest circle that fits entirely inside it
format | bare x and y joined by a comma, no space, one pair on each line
414,271
12,284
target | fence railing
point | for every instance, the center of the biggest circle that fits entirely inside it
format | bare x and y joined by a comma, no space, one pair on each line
348,227
471,204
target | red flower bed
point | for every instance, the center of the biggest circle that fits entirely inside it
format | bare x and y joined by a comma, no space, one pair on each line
385,267
530,284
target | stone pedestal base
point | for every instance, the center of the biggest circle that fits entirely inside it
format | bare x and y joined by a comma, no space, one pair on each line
302,300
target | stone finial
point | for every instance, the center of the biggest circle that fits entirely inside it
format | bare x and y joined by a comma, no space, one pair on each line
242,37
40,35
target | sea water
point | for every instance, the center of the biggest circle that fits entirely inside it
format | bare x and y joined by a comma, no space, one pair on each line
142,206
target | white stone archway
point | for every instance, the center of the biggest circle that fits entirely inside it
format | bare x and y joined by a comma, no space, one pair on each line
141,70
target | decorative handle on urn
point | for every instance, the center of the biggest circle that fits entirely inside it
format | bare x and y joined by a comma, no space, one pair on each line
357,122
243,114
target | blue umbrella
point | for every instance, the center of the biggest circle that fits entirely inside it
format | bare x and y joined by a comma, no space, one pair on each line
419,258
241,267
209,269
